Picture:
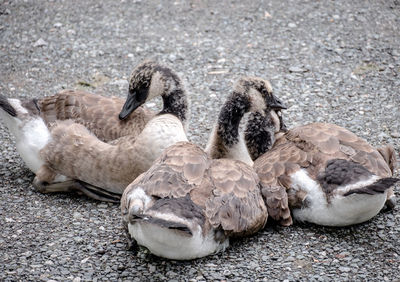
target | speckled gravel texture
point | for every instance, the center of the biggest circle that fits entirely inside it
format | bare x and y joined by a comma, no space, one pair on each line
331,61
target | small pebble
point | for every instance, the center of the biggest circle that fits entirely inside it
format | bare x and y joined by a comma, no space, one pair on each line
40,43
395,134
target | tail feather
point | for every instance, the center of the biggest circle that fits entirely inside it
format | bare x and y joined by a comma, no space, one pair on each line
276,200
377,187
389,155
162,223
7,107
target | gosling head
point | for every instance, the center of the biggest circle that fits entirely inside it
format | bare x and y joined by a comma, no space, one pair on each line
260,94
148,80
250,94
262,101
265,123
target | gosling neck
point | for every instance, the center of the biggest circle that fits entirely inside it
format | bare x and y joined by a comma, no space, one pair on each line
259,134
176,103
229,118
225,140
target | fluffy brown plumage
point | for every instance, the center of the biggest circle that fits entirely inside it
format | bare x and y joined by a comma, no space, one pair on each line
210,195
97,113
332,157
75,152
226,190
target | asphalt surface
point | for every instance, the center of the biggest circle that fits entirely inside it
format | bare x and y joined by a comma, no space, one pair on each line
331,61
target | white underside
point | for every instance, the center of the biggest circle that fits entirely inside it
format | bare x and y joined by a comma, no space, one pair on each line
31,135
169,243
159,133
341,211
34,136
172,244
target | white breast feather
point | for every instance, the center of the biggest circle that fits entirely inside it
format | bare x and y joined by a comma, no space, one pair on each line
33,136
341,211
160,133
171,244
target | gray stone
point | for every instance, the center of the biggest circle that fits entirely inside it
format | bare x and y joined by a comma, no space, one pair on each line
395,134
297,69
344,269
39,43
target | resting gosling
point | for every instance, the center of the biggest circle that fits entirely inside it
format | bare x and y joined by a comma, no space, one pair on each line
31,120
187,204
324,173
72,158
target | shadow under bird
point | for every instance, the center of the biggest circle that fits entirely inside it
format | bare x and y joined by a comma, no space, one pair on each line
62,138
191,201
320,173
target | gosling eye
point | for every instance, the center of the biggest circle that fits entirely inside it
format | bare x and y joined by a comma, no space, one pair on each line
264,91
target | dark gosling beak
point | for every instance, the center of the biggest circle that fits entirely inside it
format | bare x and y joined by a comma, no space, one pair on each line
130,105
275,103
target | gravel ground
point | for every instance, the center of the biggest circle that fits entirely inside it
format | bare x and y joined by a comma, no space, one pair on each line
332,61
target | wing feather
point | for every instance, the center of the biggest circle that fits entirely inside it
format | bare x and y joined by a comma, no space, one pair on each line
97,113
311,147
236,205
